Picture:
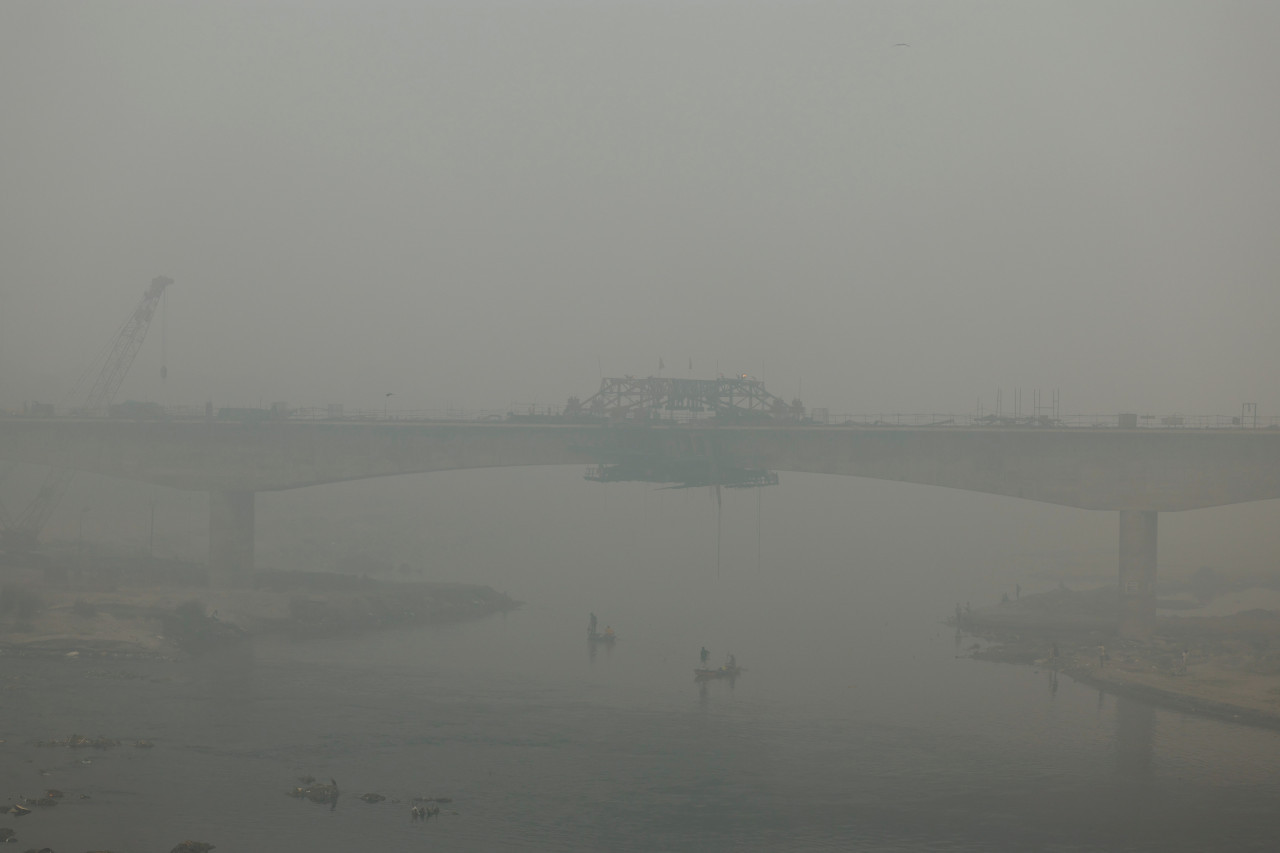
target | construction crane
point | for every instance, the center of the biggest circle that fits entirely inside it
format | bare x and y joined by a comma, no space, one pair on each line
123,350
24,533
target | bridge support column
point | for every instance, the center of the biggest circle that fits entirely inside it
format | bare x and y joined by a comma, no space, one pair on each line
1137,574
230,537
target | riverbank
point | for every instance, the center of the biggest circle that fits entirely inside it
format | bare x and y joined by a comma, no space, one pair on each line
1230,669
153,613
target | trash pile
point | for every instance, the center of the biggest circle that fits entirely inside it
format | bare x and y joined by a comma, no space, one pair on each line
316,793
192,847
421,807
80,742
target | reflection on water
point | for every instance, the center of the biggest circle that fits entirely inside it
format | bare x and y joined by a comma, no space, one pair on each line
228,675
542,750
1135,738
857,727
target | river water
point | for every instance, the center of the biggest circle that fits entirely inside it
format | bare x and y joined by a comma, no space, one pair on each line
856,726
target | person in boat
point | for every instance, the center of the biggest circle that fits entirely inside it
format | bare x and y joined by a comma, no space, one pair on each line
591,629
608,632
705,655
733,662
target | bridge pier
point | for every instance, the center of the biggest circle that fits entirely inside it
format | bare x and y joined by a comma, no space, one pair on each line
1137,611
230,537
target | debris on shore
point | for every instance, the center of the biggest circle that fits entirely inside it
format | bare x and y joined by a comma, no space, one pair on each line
1226,667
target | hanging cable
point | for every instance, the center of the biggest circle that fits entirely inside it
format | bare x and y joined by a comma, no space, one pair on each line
759,501
719,514
164,337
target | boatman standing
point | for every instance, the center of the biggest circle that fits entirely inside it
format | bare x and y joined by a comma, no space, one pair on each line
591,629
706,656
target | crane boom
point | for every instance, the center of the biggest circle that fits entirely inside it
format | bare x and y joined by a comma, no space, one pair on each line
123,350
25,533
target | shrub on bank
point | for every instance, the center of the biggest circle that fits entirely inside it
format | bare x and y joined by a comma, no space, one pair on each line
192,631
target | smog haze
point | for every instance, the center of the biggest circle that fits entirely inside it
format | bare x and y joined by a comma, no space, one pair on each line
882,207
1003,254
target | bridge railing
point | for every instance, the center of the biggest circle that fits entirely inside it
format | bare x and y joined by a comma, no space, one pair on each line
324,413
1101,421
821,417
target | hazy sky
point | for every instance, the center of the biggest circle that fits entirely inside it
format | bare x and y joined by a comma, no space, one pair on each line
476,204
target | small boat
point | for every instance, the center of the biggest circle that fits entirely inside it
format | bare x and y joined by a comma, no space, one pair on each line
608,637
720,672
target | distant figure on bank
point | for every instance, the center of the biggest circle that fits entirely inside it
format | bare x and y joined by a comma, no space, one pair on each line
1053,651
1017,591
733,662
1102,655
705,655
1185,653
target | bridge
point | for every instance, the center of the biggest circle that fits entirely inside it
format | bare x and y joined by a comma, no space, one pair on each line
1137,473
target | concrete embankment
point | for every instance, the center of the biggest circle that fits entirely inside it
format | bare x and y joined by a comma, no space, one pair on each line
1225,667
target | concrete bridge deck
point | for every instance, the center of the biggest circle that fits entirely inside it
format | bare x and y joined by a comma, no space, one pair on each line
1111,469
1137,472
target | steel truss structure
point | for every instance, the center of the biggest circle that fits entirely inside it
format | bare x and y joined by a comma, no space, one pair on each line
633,398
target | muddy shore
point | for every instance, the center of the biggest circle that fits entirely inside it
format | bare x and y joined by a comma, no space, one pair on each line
1230,669
154,612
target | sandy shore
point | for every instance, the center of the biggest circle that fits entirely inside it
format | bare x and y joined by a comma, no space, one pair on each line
1231,669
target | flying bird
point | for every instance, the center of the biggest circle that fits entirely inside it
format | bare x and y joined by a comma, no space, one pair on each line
902,44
